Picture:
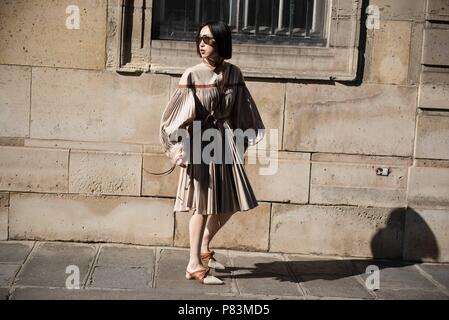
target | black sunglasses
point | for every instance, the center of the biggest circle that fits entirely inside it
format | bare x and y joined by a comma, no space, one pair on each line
207,40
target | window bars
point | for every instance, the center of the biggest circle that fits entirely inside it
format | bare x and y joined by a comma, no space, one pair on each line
290,22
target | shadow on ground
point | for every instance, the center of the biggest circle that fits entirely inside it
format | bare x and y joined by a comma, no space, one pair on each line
386,274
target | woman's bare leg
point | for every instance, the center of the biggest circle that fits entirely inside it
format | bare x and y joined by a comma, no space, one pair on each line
214,223
196,229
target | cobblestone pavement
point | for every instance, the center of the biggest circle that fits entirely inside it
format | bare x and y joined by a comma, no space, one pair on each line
43,270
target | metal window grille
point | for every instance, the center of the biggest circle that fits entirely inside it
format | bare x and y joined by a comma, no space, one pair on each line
287,22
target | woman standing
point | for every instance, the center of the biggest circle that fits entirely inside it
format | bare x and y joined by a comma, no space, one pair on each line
214,95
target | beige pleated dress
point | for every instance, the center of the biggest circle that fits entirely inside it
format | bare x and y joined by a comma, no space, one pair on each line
212,187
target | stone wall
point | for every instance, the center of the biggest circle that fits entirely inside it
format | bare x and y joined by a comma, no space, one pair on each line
77,140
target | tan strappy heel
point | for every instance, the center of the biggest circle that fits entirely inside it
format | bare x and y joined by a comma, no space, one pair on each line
208,259
203,277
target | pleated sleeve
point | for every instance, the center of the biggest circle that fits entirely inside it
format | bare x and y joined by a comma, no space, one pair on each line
245,114
178,114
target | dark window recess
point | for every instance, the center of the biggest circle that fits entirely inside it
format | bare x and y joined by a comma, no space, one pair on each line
133,52
286,22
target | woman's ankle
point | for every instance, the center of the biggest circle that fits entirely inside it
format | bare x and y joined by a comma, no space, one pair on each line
195,266
205,248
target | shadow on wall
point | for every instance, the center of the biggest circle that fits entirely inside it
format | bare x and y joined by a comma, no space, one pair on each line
406,236
420,243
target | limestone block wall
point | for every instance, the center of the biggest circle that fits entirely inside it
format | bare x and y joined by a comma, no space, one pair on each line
77,140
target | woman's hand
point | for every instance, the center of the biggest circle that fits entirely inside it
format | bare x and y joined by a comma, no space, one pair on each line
180,158
181,163
177,155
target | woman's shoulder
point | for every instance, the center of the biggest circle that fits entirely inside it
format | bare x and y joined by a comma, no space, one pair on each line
186,77
234,66
236,73
201,74
198,73
202,68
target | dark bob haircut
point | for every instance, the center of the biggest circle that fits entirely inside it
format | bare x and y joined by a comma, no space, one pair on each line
222,35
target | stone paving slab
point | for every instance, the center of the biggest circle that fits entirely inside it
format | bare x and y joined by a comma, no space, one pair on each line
439,272
327,277
126,255
411,294
171,268
396,275
108,294
7,274
122,277
124,267
48,263
334,286
14,252
4,292
301,265
257,274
